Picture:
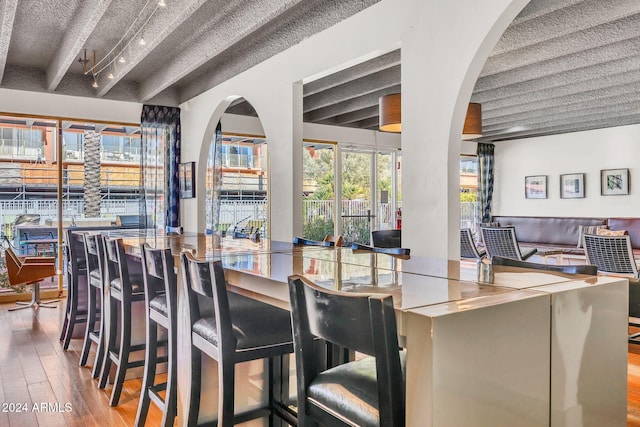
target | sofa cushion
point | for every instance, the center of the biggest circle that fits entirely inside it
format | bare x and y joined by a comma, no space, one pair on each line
587,229
632,225
549,230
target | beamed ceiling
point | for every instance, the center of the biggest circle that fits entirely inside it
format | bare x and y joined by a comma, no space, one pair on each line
561,66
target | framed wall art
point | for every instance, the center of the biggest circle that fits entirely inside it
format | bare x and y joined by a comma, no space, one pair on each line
535,187
187,180
614,182
572,186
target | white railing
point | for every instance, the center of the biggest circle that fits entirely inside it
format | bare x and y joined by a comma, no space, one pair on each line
49,208
468,215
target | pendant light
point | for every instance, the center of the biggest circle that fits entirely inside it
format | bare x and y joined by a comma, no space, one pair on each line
472,122
390,113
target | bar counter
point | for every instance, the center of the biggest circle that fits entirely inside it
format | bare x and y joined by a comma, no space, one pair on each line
485,346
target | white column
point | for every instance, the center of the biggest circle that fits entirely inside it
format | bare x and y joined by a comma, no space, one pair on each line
442,56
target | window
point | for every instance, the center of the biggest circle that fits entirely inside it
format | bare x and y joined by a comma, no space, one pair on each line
468,191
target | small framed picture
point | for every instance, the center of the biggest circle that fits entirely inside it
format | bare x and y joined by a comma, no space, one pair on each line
614,182
535,187
187,180
572,186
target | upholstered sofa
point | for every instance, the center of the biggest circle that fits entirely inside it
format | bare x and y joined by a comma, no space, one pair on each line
561,234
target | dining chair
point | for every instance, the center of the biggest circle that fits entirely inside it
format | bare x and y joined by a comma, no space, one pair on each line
468,248
230,328
610,254
365,392
386,238
29,270
501,241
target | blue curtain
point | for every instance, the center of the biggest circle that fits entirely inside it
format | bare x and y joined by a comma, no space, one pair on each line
485,181
214,165
160,186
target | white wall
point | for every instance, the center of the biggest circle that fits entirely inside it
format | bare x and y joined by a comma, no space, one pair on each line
49,104
580,152
440,64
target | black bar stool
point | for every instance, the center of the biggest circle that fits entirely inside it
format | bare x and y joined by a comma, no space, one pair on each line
76,312
365,392
160,288
122,290
94,254
238,330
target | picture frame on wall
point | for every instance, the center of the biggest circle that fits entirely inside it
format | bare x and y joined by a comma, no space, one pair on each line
535,187
187,180
572,186
614,182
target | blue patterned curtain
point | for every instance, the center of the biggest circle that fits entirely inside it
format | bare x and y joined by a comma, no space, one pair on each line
160,187
214,181
485,181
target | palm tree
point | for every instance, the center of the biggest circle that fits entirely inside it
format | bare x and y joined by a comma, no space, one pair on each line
92,174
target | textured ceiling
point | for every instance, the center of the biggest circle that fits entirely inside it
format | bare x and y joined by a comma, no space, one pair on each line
561,66
191,45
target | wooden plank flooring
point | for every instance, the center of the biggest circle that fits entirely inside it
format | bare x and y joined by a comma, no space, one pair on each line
34,370
42,385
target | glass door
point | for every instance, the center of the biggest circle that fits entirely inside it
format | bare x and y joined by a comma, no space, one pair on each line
358,195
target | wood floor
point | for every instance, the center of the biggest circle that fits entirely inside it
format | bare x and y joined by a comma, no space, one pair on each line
42,385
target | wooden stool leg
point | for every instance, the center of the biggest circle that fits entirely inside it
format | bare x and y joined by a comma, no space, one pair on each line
73,289
195,388
110,342
226,378
91,324
125,347
171,396
150,356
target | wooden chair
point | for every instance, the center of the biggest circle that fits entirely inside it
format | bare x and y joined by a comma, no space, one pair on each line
386,238
307,242
334,240
76,311
94,254
239,329
30,271
388,251
366,392
160,290
468,248
501,241
122,291
589,270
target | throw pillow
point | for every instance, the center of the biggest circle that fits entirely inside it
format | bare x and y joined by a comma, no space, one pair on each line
588,229
605,232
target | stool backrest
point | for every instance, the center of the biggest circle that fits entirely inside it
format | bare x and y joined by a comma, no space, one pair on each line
364,323
206,278
158,275
75,245
91,252
116,262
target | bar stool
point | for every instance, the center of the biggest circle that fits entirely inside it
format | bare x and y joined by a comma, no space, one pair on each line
366,392
238,330
122,290
94,254
160,288
76,268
